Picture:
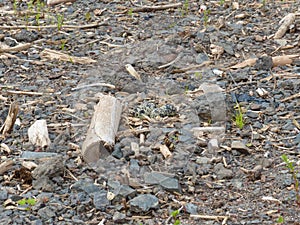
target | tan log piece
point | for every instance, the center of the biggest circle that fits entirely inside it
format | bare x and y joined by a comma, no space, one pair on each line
104,125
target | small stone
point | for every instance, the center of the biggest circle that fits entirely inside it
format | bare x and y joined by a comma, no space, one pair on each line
46,213
170,184
191,208
3,195
252,115
255,107
117,153
44,184
240,146
143,203
51,168
87,186
119,217
213,145
167,182
203,160
264,63
100,200
222,172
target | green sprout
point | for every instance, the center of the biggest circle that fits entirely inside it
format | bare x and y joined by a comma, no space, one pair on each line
206,16
63,44
175,214
60,20
15,6
198,75
130,12
222,2
239,117
37,18
292,171
185,8
88,16
27,202
280,219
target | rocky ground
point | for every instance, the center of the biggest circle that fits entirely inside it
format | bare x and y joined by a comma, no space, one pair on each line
224,125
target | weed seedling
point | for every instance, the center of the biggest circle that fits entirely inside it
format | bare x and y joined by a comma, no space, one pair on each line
293,172
60,20
27,202
175,214
15,6
239,117
280,219
130,12
198,75
206,16
63,44
185,8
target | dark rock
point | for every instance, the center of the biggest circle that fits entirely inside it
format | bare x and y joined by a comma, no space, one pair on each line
201,57
100,200
87,186
26,36
264,63
46,213
119,217
117,153
222,172
166,182
3,195
252,115
191,208
143,203
43,183
51,168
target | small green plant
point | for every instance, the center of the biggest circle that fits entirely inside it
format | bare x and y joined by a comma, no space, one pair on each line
280,219
239,117
206,16
37,18
175,214
198,75
27,203
88,16
222,2
15,6
293,172
185,8
130,12
60,21
63,44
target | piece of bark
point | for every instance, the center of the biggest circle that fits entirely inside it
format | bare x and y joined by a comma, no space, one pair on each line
165,151
38,134
133,72
6,165
55,2
283,60
103,128
10,119
285,24
56,55
277,61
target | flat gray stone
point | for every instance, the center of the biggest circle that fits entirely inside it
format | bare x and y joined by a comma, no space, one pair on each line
51,168
222,172
240,146
100,200
46,213
143,203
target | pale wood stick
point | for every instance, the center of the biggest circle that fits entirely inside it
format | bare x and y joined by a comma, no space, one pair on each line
6,165
85,26
17,48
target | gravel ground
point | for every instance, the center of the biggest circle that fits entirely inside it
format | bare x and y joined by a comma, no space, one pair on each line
226,125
